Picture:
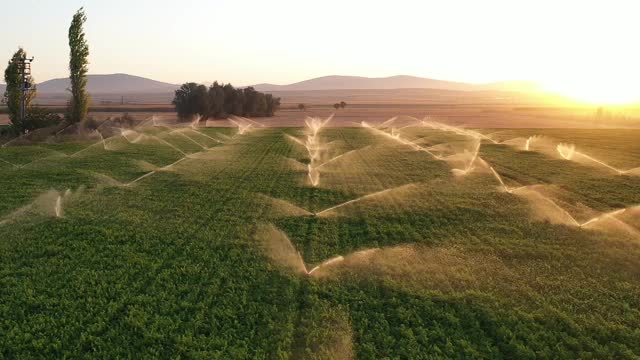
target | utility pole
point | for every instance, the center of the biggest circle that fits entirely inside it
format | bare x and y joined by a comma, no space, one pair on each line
24,69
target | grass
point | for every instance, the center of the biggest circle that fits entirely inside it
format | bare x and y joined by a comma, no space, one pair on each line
171,266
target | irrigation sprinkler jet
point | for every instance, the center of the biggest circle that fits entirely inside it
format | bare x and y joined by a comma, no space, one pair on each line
10,163
568,152
190,139
471,133
377,193
341,155
242,128
167,167
400,140
313,146
608,215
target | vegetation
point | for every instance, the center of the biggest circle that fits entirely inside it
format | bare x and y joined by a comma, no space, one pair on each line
171,266
78,67
13,92
38,118
191,99
221,101
125,120
302,107
340,105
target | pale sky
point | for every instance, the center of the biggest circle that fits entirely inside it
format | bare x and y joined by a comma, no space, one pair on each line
588,48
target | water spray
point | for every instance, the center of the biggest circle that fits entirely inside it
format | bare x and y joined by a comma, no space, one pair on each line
58,207
377,193
189,138
10,163
566,150
340,156
527,144
313,146
397,138
465,132
242,127
336,259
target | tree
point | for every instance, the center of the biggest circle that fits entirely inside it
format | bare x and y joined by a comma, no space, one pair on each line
302,107
343,104
216,100
78,54
250,101
336,106
13,91
273,104
238,107
230,99
219,101
191,99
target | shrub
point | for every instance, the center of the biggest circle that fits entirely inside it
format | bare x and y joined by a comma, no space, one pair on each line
125,120
91,123
38,118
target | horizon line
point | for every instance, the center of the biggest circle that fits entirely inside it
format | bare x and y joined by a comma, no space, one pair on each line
313,78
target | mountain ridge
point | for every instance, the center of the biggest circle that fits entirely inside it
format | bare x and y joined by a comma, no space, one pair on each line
343,82
127,84
109,83
105,84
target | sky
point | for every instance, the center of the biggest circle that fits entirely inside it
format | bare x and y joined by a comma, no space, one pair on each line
587,49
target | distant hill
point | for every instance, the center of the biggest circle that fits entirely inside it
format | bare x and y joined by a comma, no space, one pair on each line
110,84
111,87
337,82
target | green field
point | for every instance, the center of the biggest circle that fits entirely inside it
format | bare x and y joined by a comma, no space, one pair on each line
199,259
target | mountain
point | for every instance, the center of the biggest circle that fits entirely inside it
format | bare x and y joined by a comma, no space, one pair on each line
110,84
122,84
337,82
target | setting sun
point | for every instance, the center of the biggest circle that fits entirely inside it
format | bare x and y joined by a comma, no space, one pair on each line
597,91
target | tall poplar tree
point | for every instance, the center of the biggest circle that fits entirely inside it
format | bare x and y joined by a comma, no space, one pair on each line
78,67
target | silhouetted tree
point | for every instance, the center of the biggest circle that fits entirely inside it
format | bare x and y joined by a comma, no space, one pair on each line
220,101
250,107
336,106
302,107
216,100
238,103
273,104
230,96
13,91
78,54
191,99
343,104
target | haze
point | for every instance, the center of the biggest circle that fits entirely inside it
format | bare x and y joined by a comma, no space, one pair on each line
587,50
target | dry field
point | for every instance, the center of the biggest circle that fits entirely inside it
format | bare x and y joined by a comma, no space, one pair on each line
470,116
467,109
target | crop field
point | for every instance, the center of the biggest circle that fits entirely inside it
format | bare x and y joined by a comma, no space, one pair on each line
406,239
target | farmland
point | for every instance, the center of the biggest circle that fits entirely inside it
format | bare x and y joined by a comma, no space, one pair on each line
400,239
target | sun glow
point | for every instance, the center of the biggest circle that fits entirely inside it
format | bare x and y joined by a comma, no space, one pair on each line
612,91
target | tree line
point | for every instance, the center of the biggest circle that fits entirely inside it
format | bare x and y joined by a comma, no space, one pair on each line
220,101
78,104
